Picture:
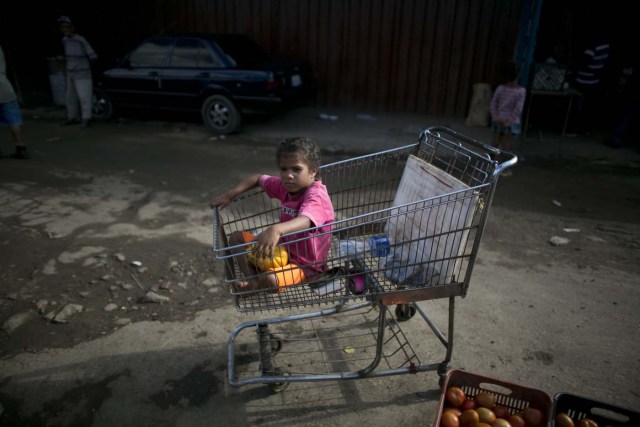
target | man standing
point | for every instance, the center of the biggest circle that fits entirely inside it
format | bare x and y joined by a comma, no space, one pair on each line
10,111
78,54
588,80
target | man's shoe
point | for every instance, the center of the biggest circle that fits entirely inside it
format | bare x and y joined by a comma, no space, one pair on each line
71,122
84,124
21,153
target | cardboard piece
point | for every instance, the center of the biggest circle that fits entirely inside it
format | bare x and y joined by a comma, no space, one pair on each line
432,229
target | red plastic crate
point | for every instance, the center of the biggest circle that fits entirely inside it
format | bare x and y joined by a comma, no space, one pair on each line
605,414
512,396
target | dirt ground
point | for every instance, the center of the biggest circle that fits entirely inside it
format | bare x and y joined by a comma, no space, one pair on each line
113,308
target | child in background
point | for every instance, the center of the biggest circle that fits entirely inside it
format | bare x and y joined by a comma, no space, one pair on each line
305,203
506,108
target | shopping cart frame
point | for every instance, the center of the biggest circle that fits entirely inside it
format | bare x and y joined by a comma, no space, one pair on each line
464,159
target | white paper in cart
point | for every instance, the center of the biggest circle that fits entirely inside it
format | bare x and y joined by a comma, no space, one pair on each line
427,237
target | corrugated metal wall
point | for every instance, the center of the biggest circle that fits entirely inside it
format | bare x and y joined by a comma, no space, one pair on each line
380,55
375,55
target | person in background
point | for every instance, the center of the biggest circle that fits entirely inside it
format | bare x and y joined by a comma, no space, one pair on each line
10,111
78,54
588,79
506,108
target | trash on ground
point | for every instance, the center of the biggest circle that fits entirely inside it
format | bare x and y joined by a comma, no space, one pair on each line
154,297
558,240
366,117
329,117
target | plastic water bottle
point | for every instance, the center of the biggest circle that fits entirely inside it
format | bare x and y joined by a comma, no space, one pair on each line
380,245
376,245
352,248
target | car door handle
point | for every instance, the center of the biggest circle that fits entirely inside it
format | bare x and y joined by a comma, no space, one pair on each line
156,75
202,75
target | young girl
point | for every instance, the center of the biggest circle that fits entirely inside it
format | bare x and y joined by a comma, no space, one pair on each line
506,108
305,203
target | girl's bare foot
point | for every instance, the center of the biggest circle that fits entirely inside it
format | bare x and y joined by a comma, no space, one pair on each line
249,287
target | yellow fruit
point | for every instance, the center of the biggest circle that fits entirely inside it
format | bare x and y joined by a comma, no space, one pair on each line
280,259
486,415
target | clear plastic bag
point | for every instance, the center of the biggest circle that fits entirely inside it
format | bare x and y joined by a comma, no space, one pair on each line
408,269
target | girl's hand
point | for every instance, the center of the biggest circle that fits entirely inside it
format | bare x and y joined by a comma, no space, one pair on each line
225,199
266,242
220,201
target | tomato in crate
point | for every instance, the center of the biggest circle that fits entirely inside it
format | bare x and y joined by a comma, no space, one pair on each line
514,402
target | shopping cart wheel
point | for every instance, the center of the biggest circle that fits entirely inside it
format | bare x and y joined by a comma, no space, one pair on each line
276,343
405,312
278,387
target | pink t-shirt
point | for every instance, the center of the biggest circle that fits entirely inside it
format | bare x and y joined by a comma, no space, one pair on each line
507,103
315,204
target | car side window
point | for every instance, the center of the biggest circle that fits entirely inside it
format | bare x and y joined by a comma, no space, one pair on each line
151,53
192,53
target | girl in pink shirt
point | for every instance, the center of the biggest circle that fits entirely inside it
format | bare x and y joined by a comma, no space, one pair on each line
305,204
506,108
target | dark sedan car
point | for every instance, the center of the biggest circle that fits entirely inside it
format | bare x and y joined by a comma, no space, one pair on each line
221,75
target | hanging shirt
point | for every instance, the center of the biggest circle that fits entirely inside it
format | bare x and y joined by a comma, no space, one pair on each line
592,66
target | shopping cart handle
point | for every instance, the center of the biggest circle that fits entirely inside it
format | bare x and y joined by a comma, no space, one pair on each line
503,159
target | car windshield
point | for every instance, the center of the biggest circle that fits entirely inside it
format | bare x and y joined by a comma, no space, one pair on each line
243,50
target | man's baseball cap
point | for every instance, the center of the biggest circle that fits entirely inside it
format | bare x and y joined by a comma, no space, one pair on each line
64,19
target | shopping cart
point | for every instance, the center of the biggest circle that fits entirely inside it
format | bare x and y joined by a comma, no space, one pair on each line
408,226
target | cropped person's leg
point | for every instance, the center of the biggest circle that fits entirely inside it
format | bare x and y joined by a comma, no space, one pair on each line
11,116
238,238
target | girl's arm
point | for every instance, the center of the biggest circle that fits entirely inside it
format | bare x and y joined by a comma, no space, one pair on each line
493,105
224,199
517,111
268,239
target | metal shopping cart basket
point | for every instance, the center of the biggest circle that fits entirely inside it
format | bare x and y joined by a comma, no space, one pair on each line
408,226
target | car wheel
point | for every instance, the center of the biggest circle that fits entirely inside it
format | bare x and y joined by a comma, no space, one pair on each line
101,107
220,114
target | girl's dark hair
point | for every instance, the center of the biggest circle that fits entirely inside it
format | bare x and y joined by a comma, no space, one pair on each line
306,148
511,72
